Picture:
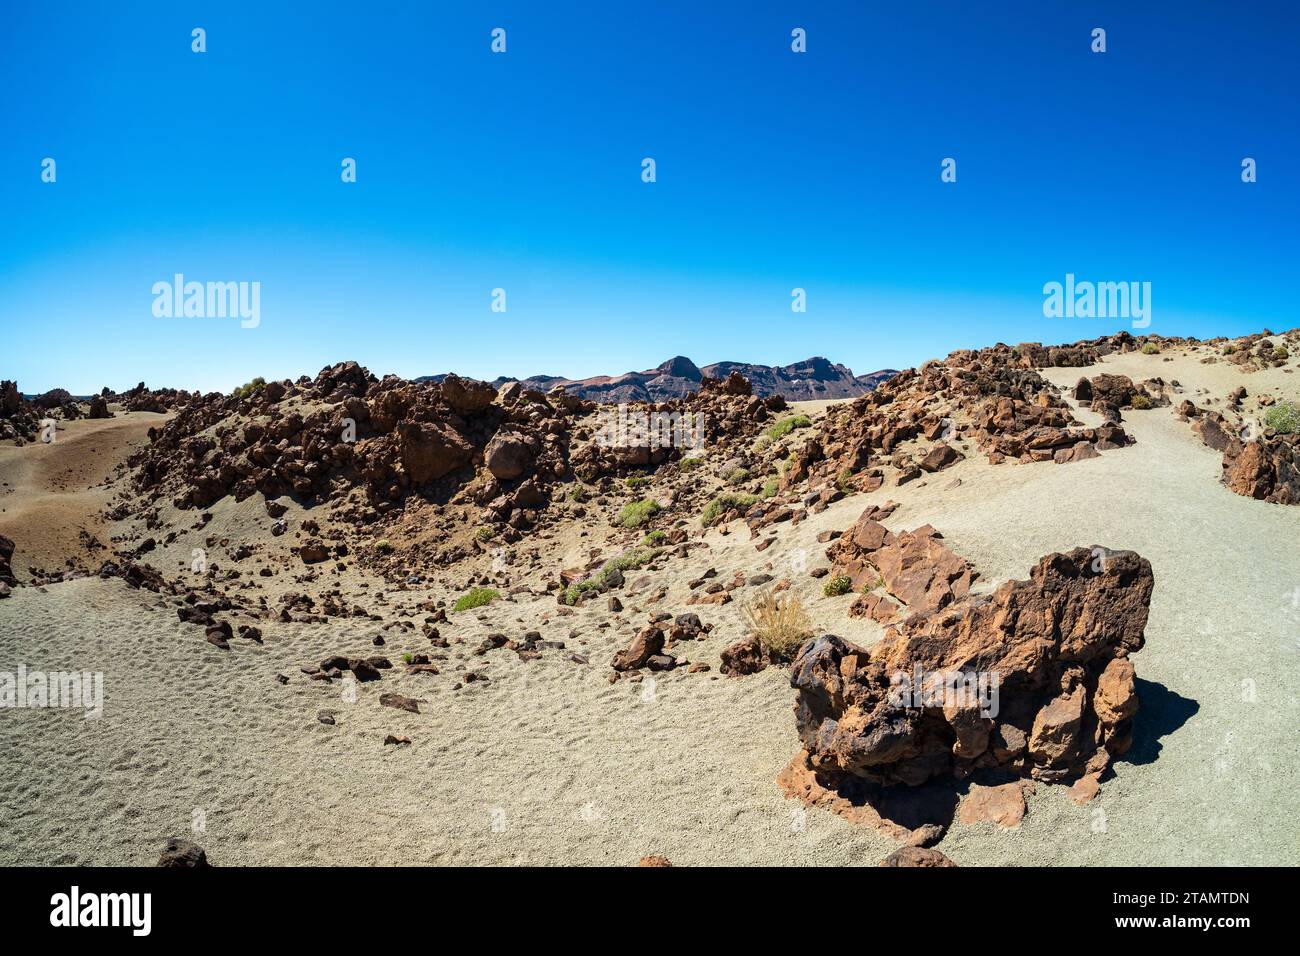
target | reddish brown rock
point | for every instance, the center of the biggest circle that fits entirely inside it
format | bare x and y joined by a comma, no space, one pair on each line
746,656
1049,639
916,856
647,644
1003,805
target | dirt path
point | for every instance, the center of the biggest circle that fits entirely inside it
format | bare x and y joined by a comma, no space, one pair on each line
51,493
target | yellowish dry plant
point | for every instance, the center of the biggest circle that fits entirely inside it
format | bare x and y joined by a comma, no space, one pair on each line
780,622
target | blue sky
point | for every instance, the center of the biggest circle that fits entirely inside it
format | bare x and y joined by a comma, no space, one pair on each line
522,171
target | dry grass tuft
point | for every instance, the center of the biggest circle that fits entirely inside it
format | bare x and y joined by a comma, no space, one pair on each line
780,623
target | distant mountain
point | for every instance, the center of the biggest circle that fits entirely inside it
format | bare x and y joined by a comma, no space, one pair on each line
811,379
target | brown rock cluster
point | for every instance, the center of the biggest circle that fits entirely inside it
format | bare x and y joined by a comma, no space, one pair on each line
317,439
991,397
1266,468
1055,648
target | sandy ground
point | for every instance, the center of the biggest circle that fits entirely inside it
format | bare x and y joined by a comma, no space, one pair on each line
51,493
551,764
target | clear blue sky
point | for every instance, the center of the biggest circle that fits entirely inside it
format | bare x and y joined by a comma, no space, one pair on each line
522,171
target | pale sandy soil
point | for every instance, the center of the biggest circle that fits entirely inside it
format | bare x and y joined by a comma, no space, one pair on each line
573,769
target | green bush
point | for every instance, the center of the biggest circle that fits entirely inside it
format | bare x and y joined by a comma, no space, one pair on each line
578,494
1150,348
771,487
475,597
636,481
726,502
1281,354
786,425
629,561
737,476
1283,418
690,463
249,388
638,513
1141,402
384,546
840,584
1229,349
842,480
485,533
655,537
408,657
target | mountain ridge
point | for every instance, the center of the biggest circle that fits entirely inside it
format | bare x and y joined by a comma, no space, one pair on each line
815,378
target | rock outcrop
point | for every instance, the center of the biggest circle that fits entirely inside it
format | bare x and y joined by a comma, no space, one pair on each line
1033,679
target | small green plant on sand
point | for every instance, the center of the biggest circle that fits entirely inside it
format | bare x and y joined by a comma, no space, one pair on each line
725,502
638,513
629,561
840,584
737,476
637,481
771,487
485,533
475,597
408,657
1141,402
786,425
1150,348
384,546
655,537
690,463
1283,418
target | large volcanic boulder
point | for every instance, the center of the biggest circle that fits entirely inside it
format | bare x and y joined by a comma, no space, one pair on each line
98,408
430,450
1054,647
508,455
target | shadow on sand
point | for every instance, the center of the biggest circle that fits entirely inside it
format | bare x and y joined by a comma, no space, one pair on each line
1160,713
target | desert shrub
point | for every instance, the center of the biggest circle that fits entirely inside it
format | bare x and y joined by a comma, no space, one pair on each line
475,597
485,533
250,388
1281,354
726,502
840,584
771,487
690,463
737,475
384,546
1229,349
408,657
628,561
842,480
636,481
779,622
1283,418
655,537
1150,348
761,443
1141,402
786,425
638,513
578,494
